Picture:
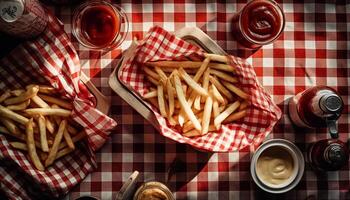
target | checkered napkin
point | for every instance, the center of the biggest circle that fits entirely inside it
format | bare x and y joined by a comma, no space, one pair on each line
50,59
262,115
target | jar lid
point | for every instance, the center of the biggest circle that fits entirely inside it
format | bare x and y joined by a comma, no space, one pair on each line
11,10
336,156
331,103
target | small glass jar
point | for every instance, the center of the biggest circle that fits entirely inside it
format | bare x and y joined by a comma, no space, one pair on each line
100,25
150,188
260,22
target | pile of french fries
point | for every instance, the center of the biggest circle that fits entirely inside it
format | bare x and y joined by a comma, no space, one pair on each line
197,97
40,123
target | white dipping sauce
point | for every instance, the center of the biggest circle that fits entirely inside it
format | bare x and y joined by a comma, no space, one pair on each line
275,166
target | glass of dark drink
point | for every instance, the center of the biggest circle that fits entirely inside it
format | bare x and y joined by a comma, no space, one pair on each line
260,22
100,25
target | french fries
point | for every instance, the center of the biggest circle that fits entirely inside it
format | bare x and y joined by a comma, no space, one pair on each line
192,83
230,109
7,113
31,146
42,131
60,102
48,111
184,104
5,95
20,106
31,92
204,97
52,115
161,101
53,151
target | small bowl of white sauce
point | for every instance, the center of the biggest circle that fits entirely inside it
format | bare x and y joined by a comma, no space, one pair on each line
277,166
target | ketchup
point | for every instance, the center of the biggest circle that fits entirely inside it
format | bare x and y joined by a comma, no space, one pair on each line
260,22
100,25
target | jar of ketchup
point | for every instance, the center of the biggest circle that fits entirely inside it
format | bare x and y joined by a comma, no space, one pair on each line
100,25
317,107
260,22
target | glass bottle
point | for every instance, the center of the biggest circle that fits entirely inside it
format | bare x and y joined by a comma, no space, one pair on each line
316,107
328,155
22,18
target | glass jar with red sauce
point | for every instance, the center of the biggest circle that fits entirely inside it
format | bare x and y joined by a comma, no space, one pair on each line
100,25
260,22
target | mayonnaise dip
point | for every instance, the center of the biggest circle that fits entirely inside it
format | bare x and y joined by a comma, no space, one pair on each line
275,166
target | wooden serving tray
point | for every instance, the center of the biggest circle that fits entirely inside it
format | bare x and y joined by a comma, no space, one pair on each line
192,35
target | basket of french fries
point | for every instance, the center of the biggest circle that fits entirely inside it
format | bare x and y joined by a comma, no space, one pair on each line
212,102
49,126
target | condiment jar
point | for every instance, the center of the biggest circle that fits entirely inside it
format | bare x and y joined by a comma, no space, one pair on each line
316,107
22,18
328,155
153,189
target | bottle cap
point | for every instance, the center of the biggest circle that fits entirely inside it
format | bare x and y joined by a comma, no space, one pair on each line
11,10
331,103
337,156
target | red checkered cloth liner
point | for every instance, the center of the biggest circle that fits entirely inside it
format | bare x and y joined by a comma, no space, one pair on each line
51,59
262,115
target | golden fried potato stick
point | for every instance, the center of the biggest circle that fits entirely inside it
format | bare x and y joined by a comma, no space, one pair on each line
68,139
150,94
224,76
236,90
189,64
217,58
152,80
21,106
183,102
31,146
197,103
40,102
217,94
48,111
150,73
5,95
42,131
58,138
172,121
230,109
188,70
44,89
193,84
161,74
7,113
60,102
243,105
21,137
235,116
171,98
29,93
161,101
17,92
19,145
206,115
76,138
63,152
11,126
216,111
220,87
50,126
192,133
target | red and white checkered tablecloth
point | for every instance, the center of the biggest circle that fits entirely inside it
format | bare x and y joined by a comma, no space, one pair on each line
314,50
